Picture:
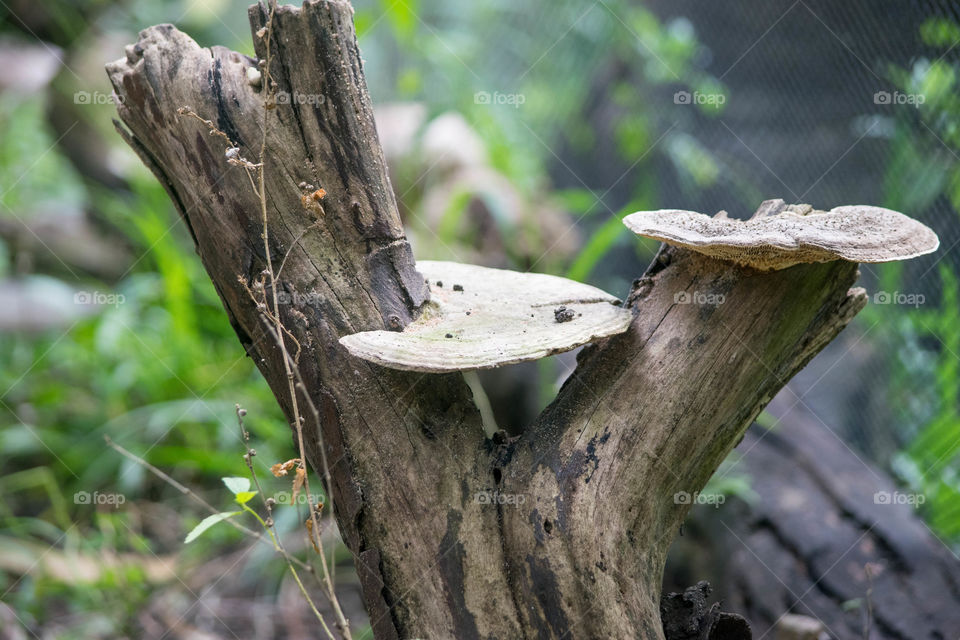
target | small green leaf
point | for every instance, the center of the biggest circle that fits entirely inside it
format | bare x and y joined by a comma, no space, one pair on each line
237,485
244,496
208,522
852,605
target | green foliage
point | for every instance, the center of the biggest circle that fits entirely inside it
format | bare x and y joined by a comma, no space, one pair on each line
237,484
924,379
402,16
931,461
447,64
33,174
208,522
609,234
940,32
159,372
924,162
727,483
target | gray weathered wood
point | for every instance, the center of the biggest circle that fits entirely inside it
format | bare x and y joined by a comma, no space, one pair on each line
560,533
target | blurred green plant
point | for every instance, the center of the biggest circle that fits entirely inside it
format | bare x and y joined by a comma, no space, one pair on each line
930,463
159,371
923,391
447,64
33,174
923,385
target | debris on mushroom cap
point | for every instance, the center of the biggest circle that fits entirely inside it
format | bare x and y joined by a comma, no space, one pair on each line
780,236
501,317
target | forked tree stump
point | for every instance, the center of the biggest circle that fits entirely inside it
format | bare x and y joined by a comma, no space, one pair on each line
647,414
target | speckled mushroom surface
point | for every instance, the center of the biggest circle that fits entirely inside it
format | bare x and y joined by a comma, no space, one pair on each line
780,236
479,318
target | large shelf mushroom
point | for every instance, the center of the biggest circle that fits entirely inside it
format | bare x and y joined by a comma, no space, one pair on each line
479,318
781,235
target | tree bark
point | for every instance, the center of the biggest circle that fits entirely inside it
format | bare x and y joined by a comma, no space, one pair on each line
561,532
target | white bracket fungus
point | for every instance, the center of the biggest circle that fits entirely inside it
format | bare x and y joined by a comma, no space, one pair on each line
479,318
779,235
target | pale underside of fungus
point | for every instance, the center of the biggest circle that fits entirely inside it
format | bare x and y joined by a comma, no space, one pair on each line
780,235
479,318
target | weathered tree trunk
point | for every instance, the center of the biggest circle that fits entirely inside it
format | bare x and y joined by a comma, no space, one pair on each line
825,539
576,548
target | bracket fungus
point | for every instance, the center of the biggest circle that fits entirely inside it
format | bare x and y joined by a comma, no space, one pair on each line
479,318
781,235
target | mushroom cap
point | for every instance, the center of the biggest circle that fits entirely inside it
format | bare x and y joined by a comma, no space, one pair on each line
796,234
493,317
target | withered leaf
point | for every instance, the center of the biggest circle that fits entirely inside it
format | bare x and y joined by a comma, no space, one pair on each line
282,468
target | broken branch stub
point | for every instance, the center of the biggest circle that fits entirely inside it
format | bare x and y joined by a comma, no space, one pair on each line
479,318
794,235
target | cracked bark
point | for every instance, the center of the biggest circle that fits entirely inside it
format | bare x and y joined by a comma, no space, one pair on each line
646,415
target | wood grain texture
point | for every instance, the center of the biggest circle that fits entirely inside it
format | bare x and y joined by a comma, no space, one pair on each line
560,533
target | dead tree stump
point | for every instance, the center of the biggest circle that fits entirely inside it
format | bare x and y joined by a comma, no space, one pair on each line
647,414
